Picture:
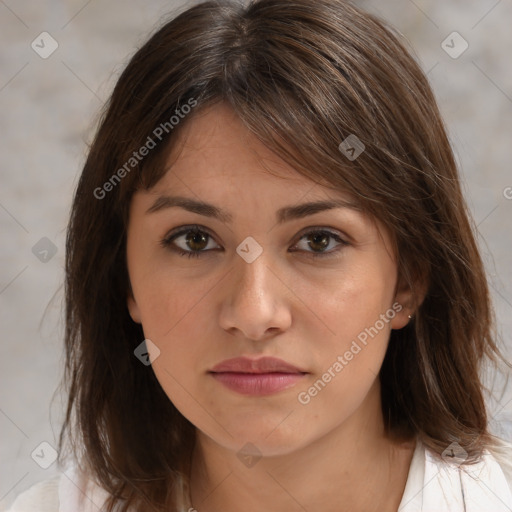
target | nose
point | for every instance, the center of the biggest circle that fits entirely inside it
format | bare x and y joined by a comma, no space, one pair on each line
256,301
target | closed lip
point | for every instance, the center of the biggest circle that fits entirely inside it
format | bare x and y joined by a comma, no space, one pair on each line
255,366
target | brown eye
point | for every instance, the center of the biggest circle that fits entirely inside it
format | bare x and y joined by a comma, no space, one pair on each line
196,240
192,241
320,240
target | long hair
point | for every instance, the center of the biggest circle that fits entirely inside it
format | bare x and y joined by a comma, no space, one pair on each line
302,76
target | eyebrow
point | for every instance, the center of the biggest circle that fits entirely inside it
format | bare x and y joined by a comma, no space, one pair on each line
282,215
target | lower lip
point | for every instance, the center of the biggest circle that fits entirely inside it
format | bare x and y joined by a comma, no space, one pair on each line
257,384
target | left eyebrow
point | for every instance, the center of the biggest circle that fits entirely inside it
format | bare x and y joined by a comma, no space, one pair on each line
284,214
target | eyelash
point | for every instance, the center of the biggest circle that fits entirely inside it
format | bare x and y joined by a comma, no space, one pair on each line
167,242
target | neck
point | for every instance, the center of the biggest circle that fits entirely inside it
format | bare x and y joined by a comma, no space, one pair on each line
354,467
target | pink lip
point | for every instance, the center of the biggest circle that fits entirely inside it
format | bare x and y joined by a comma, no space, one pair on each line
257,377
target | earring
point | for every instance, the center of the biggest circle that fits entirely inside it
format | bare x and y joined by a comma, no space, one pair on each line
409,316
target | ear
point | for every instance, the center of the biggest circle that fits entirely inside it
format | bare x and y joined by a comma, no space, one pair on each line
133,309
410,300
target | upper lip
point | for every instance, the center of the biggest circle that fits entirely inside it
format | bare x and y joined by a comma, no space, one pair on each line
262,365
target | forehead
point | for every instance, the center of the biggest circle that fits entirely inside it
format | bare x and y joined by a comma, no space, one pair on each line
216,153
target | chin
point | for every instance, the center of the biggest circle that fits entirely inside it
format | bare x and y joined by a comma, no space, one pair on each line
269,440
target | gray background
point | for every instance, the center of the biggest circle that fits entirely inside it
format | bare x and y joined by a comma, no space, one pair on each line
48,112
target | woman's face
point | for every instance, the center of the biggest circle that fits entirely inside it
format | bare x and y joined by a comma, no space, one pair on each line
265,280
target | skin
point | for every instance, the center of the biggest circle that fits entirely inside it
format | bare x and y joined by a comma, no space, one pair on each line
331,454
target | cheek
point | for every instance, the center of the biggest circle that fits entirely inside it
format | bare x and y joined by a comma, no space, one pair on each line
176,317
181,367
348,366
167,300
345,304
355,312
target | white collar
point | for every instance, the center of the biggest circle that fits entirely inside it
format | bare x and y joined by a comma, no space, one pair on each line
437,485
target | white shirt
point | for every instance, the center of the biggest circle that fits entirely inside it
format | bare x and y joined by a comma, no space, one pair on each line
433,485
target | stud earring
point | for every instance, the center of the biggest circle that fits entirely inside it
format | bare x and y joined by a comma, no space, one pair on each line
409,316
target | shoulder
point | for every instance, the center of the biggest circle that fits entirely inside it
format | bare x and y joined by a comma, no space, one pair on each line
70,491
482,486
443,483
41,497
502,453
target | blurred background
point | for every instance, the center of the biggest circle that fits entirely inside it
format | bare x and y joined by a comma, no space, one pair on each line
58,63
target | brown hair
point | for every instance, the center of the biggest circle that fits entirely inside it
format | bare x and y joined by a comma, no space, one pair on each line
303,76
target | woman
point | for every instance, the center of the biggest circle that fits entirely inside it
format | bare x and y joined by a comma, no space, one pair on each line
274,296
